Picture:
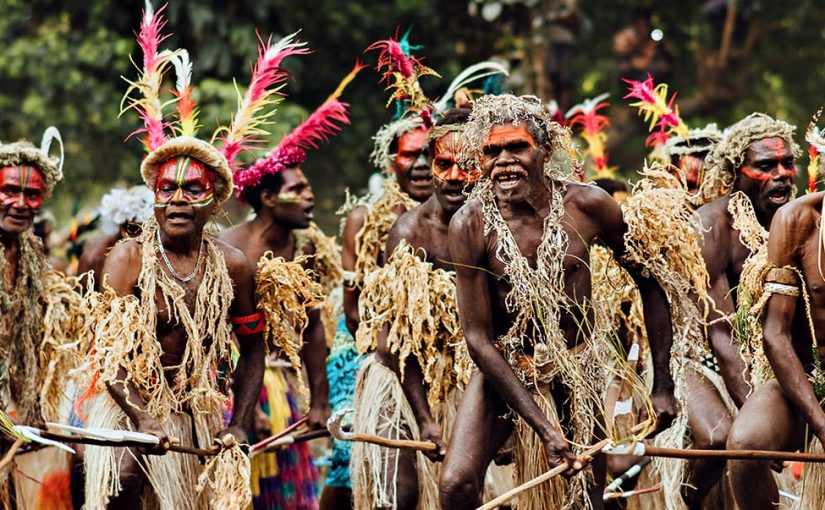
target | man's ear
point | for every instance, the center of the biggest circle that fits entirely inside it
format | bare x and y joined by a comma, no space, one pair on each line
268,198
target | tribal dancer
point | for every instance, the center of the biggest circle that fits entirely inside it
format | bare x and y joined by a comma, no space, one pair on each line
528,320
752,172
283,230
786,346
400,153
42,323
171,298
410,387
122,212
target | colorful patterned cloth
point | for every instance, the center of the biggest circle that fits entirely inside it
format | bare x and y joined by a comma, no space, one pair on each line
342,366
285,479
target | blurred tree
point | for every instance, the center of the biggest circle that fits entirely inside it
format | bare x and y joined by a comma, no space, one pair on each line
61,63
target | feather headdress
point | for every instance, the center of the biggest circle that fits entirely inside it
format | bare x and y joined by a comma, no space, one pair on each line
245,128
148,104
816,139
401,72
244,131
473,73
660,112
323,123
586,116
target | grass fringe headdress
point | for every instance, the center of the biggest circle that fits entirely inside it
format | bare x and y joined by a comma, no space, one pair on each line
489,111
729,154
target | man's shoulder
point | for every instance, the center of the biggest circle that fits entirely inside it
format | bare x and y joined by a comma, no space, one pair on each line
235,260
125,252
469,215
590,199
799,216
235,235
408,224
715,217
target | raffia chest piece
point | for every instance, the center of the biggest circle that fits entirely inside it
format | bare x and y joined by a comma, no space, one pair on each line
782,280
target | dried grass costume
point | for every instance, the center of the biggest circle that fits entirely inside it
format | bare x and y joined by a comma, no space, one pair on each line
43,331
537,298
188,400
418,302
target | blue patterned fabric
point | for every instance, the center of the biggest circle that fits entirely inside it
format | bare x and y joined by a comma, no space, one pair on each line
342,366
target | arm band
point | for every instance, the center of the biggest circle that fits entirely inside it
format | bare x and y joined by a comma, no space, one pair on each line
783,275
349,279
248,324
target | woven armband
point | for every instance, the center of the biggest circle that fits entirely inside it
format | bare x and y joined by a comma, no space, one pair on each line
248,324
781,280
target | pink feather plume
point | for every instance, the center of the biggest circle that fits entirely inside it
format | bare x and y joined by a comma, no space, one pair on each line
245,130
149,106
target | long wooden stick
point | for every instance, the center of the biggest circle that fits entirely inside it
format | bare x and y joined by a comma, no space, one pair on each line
173,447
561,468
677,453
274,437
391,443
287,441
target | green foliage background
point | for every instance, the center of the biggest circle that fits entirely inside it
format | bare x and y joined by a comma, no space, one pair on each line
61,63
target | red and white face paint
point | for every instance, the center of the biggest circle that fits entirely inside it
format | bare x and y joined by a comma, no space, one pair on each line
184,181
445,165
21,187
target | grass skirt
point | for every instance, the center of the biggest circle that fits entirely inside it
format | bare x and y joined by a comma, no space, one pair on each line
531,461
172,478
382,409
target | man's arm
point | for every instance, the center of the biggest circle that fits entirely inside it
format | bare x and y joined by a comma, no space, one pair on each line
607,214
720,337
467,250
248,375
354,222
314,355
121,270
789,231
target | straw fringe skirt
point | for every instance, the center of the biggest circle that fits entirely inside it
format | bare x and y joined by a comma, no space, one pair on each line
172,478
382,409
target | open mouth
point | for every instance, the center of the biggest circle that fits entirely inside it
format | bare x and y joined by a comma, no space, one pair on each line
780,195
508,178
309,212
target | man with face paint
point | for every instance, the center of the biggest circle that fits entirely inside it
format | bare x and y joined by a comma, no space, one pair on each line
750,174
282,199
35,362
175,302
753,169
688,153
122,212
400,152
518,247
785,413
415,379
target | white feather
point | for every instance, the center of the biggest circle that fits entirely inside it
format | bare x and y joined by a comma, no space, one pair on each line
586,106
51,134
282,45
183,69
148,11
469,75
